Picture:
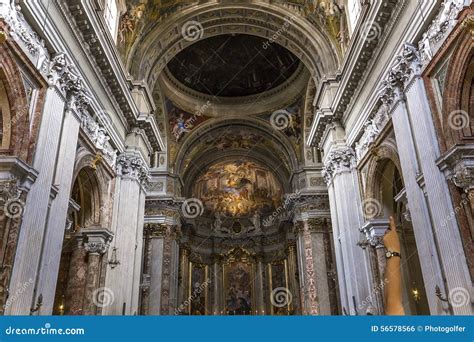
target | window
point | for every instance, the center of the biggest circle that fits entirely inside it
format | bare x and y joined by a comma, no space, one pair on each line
353,12
111,16
4,118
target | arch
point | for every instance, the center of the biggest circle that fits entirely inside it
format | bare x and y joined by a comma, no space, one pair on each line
150,54
15,118
286,162
459,92
381,157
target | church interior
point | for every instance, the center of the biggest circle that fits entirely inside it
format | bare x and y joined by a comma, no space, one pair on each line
231,157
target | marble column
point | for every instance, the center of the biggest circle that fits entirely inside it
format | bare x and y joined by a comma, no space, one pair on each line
318,228
346,217
217,288
123,278
183,275
374,231
292,277
307,272
96,244
77,278
260,307
163,269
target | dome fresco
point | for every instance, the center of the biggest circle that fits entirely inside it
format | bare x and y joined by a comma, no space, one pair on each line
233,65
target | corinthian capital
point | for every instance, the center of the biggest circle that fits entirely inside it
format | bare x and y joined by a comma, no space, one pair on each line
132,167
338,161
65,75
406,66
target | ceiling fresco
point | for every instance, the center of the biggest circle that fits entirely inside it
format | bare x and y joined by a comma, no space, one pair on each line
141,16
181,122
233,65
238,189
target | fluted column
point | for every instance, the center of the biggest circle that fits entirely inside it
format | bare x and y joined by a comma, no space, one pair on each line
56,223
123,278
37,203
438,239
346,217
447,232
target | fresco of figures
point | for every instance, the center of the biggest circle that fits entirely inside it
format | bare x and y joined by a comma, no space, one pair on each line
238,189
238,289
180,121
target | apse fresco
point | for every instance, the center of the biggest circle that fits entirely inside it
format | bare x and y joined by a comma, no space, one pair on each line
180,121
238,189
238,288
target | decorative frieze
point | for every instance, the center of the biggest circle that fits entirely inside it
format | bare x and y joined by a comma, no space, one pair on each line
338,161
70,82
406,66
99,137
440,27
22,33
132,167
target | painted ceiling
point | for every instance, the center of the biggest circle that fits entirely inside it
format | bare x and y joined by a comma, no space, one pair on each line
233,65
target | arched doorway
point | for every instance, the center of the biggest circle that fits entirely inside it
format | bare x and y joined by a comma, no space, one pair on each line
71,281
393,203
